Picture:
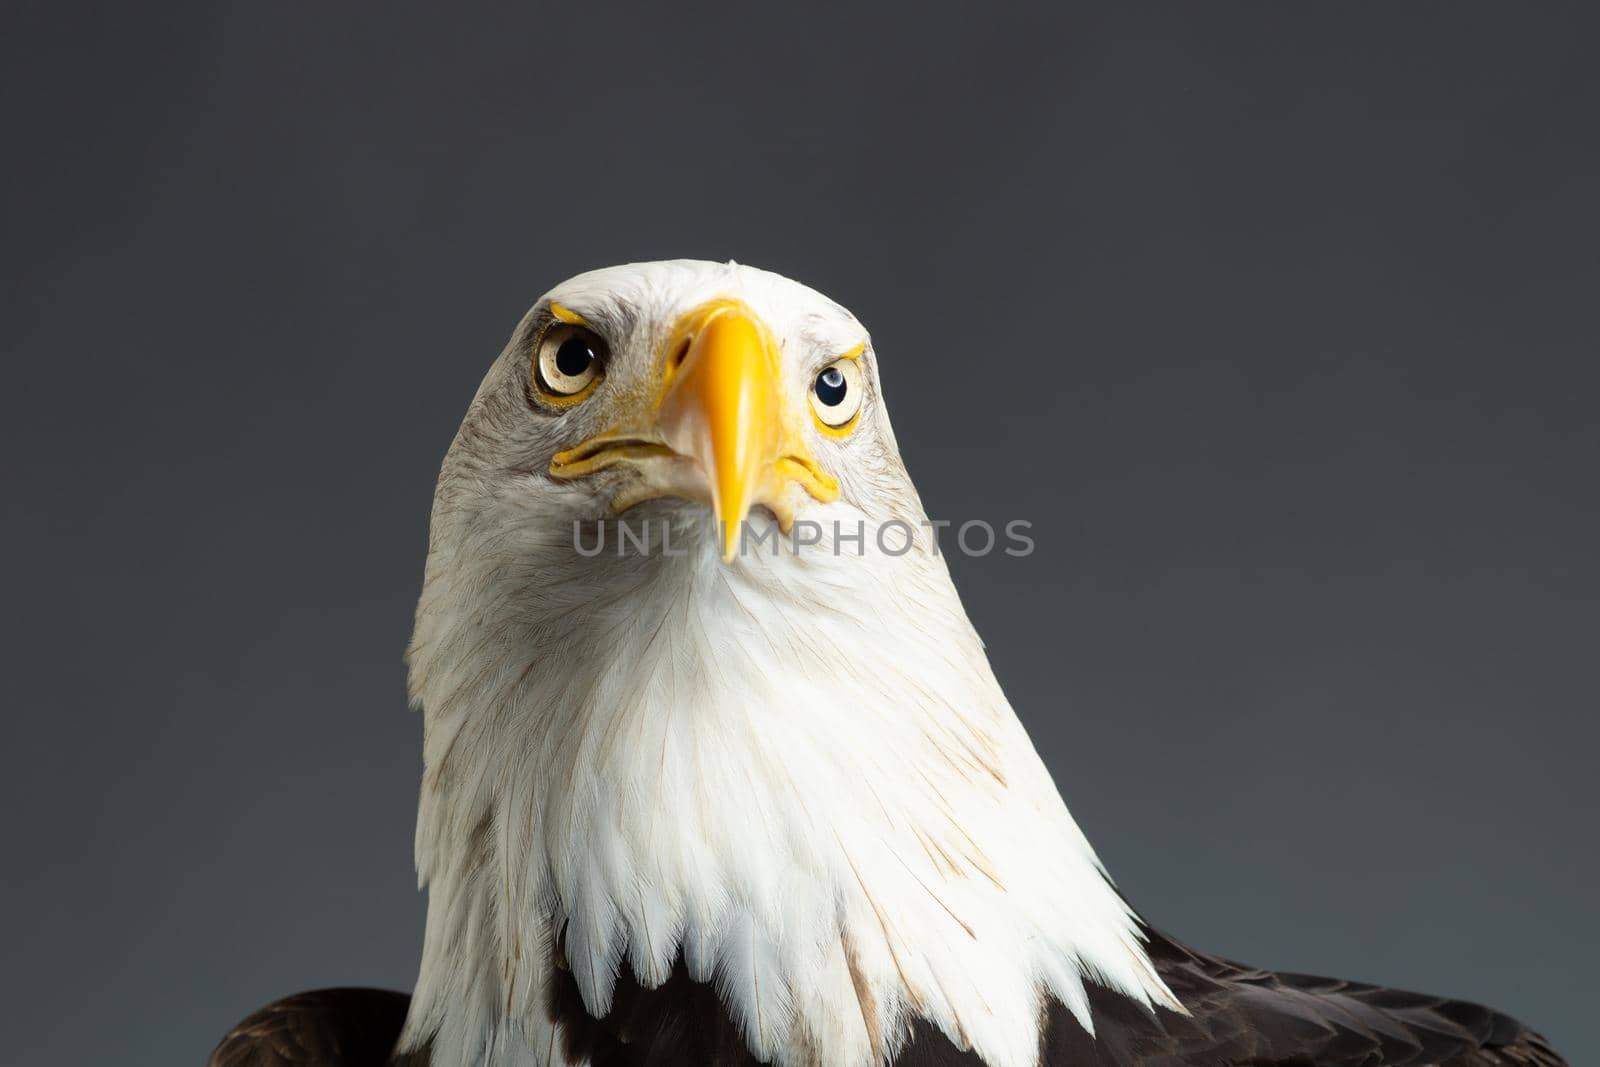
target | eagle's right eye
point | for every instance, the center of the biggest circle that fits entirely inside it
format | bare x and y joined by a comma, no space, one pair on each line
836,396
569,364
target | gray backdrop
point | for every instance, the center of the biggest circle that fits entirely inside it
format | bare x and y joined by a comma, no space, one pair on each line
1294,313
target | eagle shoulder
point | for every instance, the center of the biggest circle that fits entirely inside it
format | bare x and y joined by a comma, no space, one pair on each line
320,1028
1239,1014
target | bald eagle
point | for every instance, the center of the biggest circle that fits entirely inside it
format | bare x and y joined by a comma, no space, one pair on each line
700,790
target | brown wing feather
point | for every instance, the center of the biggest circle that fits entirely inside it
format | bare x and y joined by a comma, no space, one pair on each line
1238,1017
322,1028
1247,1017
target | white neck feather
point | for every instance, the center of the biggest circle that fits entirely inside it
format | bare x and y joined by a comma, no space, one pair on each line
799,773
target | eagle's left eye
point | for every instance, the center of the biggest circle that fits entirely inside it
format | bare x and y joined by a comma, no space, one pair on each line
836,394
570,360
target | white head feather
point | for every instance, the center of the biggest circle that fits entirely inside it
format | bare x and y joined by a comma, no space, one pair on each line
796,770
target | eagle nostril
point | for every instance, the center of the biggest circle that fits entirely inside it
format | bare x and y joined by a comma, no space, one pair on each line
679,354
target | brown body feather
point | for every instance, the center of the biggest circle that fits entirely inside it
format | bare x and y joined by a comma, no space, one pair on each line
1238,1017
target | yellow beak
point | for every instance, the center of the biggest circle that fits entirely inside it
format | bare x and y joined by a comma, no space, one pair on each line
723,409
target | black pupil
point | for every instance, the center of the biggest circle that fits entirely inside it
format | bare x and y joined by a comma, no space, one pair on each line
831,387
574,357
